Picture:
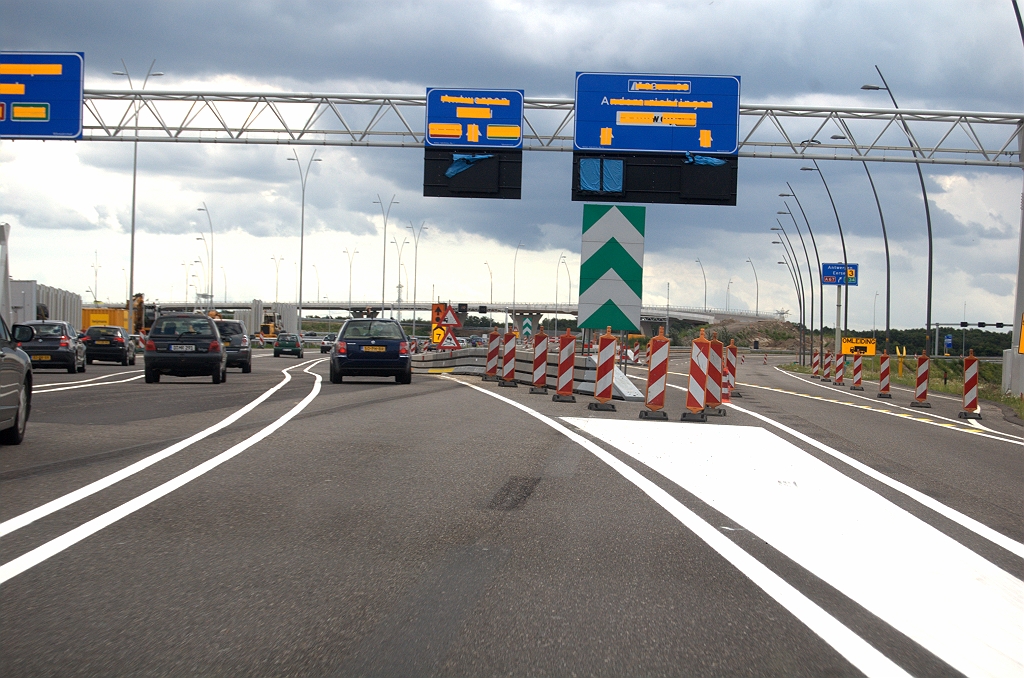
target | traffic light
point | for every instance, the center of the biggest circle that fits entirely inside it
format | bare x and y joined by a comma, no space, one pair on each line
981,324
963,324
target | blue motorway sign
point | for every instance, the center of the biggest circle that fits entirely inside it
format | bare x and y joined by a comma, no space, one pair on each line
474,118
948,342
657,113
832,274
41,95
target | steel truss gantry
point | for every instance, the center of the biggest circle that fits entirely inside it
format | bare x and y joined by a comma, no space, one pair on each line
784,131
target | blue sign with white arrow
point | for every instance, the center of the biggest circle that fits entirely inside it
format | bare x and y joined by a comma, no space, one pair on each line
839,274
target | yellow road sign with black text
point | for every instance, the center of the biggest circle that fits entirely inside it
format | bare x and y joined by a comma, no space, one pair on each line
864,346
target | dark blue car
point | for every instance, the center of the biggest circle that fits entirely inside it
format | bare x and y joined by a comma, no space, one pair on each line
368,347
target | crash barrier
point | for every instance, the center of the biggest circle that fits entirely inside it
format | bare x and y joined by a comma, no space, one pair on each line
827,369
971,409
540,363
657,377
606,351
815,364
921,392
700,350
858,384
508,359
883,375
493,341
713,391
840,369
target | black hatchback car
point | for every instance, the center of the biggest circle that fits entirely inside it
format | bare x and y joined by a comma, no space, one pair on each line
103,342
185,345
236,343
56,344
371,348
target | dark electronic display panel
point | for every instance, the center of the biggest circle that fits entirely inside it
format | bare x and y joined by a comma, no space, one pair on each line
472,173
677,178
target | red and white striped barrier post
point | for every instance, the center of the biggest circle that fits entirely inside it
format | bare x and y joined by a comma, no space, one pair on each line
657,377
508,361
493,341
713,392
839,369
566,368
699,350
606,351
765,359
921,392
730,360
858,384
815,364
883,375
971,409
540,363
827,370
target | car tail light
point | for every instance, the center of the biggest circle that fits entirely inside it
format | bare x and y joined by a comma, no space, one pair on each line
214,346
276,344
63,341
342,348
150,345
119,340
403,348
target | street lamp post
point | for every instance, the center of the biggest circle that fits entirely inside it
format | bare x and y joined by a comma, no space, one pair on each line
317,272
515,259
807,258
210,221
187,272
757,290
394,241
705,286
792,275
842,240
558,272
350,255
821,284
728,285
799,280
384,250
490,309
135,173
416,267
927,215
302,219
277,275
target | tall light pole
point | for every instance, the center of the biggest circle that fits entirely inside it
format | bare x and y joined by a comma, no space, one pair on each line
208,219
416,266
225,274
351,255
821,284
874,313
705,286
384,250
135,173
490,309
728,286
277,275
927,215
799,281
792,275
399,248
315,270
514,260
807,258
95,275
757,290
568,276
302,218
187,271
842,240
558,272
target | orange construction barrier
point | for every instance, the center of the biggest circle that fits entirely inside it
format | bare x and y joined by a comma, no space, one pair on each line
883,375
815,364
508,361
731,363
839,369
921,392
971,409
699,351
857,373
657,377
606,351
540,363
493,342
566,368
713,394
827,371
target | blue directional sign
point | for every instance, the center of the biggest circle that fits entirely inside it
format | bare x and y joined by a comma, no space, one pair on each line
948,342
41,95
833,274
474,118
657,113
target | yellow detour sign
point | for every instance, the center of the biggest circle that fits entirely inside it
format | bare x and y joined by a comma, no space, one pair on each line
860,345
437,336
1020,347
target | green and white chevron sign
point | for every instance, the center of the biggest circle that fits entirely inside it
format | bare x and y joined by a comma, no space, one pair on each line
612,267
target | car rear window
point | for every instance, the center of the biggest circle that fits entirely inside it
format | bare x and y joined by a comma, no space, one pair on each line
49,330
102,332
230,329
371,329
287,337
181,326
329,337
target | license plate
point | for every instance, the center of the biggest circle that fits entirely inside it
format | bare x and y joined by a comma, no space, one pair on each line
40,357
103,343
374,349
182,347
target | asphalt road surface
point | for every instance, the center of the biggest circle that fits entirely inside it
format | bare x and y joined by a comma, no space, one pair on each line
278,524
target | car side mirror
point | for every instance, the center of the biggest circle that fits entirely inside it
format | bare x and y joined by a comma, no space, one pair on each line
23,333
81,335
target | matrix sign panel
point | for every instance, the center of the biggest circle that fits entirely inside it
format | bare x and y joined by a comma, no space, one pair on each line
657,113
41,95
832,274
475,118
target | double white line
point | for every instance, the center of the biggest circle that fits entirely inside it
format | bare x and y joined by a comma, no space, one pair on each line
55,546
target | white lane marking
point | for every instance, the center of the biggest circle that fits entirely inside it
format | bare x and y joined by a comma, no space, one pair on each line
69,539
936,591
102,383
975,526
57,504
926,413
37,387
851,646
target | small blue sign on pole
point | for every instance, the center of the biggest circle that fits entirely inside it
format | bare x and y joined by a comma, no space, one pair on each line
637,112
474,118
948,342
839,274
41,95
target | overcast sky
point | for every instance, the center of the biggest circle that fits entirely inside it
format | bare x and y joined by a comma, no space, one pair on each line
67,201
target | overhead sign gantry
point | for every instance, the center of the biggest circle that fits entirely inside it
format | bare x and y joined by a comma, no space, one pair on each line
41,95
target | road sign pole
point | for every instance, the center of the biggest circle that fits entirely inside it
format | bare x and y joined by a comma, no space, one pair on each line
839,315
